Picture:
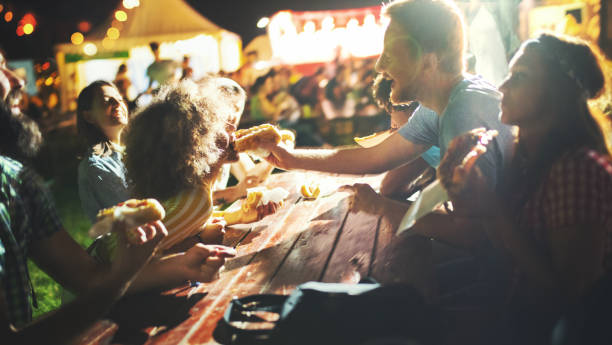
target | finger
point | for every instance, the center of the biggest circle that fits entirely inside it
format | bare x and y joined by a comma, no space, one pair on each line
472,157
214,262
149,232
160,228
346,188
224,251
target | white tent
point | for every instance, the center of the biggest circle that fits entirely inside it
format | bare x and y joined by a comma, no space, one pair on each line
179,29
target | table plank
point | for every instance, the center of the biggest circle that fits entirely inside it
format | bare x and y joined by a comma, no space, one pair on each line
403,259
352,255
312,249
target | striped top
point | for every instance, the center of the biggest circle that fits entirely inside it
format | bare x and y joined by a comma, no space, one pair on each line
186,215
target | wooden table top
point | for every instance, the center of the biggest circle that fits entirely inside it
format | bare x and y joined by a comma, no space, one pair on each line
306,240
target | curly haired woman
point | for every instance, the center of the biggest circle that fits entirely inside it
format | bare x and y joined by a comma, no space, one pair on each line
174,150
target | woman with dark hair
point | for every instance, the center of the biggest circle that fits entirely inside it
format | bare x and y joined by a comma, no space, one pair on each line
553,219
101,117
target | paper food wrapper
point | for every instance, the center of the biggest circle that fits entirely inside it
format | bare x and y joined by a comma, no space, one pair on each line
431,197
275,195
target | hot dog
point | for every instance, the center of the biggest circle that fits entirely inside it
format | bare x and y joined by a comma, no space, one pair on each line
133,213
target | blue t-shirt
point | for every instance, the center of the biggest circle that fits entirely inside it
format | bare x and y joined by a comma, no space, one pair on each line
472,103
432,156
102,182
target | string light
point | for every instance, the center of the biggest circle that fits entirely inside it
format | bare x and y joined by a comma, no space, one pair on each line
8,16
90,49
28,29
121,16
112,33
77,38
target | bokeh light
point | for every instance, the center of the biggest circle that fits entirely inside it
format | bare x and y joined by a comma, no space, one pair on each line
28,29
129,4
84,26
263,22
77,38
90,49
121,16
112,33
8,16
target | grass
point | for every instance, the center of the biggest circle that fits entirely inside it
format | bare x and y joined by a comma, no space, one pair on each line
57,164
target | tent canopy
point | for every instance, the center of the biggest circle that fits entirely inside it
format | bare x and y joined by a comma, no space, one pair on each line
179,29
153,20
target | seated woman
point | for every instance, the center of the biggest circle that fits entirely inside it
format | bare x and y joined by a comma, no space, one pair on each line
553,220
175,148
101,117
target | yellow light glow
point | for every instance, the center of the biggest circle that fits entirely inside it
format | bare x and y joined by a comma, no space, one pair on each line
108,43
121,16
28,29
77,38
49,81
90,49
263,22
112,33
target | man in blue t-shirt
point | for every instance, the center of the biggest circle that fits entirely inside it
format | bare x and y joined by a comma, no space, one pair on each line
423,58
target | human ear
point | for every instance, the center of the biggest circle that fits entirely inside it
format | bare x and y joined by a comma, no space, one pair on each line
430,62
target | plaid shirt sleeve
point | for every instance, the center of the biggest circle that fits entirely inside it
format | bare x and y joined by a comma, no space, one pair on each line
42,215
579,191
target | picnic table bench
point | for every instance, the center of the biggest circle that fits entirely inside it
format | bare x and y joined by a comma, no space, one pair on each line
325,239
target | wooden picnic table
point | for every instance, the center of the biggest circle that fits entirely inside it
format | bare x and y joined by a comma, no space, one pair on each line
306,240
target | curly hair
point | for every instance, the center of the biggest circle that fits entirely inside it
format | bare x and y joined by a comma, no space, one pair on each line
177,141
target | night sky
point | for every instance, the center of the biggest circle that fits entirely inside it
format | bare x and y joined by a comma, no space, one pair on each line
58,19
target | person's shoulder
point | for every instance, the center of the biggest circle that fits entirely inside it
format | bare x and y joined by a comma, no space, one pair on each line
583,166
585,159
473,90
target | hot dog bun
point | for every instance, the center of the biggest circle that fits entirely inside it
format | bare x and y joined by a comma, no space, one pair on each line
133,212
251,139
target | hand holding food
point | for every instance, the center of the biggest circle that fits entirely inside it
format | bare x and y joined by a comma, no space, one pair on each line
132,214
458,162
251,139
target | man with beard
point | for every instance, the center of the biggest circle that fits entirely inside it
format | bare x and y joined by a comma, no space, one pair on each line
423,57
30,228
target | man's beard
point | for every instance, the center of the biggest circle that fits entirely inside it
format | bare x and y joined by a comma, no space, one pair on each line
20,136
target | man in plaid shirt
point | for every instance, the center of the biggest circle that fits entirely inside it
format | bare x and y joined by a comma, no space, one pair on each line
29,227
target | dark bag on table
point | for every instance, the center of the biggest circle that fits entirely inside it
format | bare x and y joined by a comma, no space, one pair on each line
328,313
